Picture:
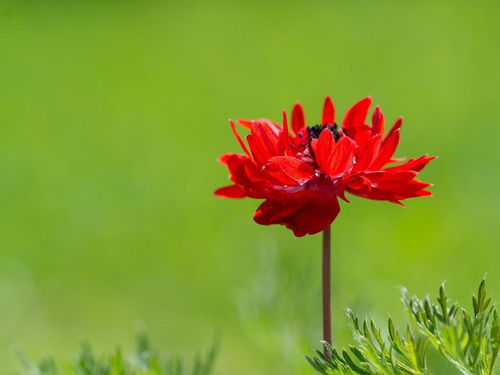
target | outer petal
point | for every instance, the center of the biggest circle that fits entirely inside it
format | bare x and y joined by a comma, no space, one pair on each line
263,121
276,211
378,121
289,170
413,164
334,161
298,118
266,139
328,117
363,135
368,154
323,148
260,152
248,176
355,116
389,146
238,138
268,134
302,217
231,191
284,139
383,185
397,125
223,159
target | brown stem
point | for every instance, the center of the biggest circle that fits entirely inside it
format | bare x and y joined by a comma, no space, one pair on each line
327,309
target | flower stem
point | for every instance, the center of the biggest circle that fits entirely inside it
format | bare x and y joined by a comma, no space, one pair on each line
327,309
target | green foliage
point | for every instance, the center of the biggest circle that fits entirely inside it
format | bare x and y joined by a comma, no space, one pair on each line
145,361
469,341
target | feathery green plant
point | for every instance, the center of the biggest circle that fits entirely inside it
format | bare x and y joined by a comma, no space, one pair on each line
145,361
469,341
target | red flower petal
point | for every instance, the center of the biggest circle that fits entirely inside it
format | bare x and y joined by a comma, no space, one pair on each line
399,176
235,160
369,153
413,164
298,118
342,157
323,148
302,217
397,125
238,138
389,146
392,187
265,122
378,121
275,212
223,159
355,116
314,144
284,142
260,152
245,123
328,117
247,176
314,217
231,191
288,168
360,183
363,135
403,189
268,134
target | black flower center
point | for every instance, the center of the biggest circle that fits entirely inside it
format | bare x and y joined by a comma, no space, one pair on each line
315,131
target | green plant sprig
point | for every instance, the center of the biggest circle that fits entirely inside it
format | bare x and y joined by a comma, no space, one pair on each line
145,361
470,341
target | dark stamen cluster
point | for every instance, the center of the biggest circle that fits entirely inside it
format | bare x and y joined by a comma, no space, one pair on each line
315,131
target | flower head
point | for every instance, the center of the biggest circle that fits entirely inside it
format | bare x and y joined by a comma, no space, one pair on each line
301,172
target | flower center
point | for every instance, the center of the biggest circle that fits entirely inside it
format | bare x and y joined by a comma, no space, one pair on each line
315,131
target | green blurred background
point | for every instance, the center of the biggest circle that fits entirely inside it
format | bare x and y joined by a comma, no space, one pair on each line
112,116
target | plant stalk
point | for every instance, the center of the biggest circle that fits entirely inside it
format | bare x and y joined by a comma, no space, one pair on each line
327,308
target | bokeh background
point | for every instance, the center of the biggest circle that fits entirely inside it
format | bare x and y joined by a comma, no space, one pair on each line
112,116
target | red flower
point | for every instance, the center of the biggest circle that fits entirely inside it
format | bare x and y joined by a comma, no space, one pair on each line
300,175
